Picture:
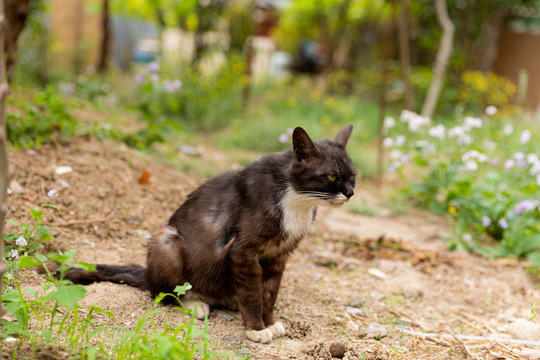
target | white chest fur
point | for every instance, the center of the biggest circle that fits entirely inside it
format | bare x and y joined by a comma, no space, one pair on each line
298,212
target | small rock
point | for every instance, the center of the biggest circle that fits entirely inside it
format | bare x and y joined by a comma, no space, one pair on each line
232,339
226,317
354,311
245,351
377,273
376,331
16,188
61,170
524,329
337,349
529,354
352,326
63,183
375,295
356,302
10,340
412,291
324,259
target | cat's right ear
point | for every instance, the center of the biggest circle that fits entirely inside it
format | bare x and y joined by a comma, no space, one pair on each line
303,147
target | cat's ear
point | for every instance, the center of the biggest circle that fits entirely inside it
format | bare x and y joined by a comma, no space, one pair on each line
342,138
303,147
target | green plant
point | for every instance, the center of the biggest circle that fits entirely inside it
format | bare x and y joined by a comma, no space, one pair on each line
45,120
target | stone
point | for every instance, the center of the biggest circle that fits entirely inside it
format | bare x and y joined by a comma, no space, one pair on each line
226,317
377,273
338,349
16,188
525,330
245,352
232,339
376,331
356,302
354,311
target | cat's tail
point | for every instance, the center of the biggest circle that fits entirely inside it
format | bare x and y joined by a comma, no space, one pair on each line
132,275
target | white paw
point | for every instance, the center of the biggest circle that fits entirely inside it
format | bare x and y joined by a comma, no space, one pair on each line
199,308
262,336
277,330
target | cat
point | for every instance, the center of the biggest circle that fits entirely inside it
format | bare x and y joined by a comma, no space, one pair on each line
232,237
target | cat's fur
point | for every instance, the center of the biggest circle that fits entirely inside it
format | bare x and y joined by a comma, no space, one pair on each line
233,235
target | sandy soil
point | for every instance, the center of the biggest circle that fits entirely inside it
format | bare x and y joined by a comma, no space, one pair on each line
358,282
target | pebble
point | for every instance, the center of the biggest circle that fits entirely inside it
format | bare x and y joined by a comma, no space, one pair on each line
376,331
354,311
324,259
245,351
525,330
337,349
377,273
16,188
375,295
226,317
232,339
356,302
61,170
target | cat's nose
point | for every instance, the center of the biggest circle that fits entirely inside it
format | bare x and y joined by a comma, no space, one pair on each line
348,193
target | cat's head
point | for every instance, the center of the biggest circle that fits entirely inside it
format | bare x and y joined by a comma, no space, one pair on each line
322,170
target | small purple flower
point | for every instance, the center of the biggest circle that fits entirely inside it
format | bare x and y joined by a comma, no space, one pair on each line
14,254
503,223
290,131
405,159
467,238
139,78
495,161
283,138
521,163
486,221
526,205
21,241
153,66
400,140
52,193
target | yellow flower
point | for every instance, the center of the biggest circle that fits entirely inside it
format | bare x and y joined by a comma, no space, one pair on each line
452,210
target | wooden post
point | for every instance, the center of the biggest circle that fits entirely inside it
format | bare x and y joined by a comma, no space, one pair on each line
4,91
105,45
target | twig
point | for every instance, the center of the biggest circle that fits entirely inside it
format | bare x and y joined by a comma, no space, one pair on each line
463,346
438,342
472,337
81,222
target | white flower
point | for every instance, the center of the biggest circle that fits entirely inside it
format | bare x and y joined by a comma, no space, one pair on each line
469,154
464,140
509,164
483,158
519,155
471,165
405,159
491,110
525,137
395,165
400,140
467,237
414,120
389,122
388,142
532,158
456,131
535,168
508,129
438,131
538,179
472,122
395,154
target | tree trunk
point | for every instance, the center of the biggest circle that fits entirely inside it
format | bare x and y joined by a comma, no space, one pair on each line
79,29
248,54
16,13
405,54
491,31
202,28
105,48
4,91
441,62
387,50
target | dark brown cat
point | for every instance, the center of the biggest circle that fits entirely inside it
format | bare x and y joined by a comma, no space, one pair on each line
232,237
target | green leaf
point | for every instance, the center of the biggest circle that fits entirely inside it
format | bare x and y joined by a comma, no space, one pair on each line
28,261
31,292
68,295
97,309
42,230
158,298
181,290
36,214
52,206
47,335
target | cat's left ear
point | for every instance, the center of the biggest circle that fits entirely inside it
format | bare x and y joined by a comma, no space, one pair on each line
342,138
303,147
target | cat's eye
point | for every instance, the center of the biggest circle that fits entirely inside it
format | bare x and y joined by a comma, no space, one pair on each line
332,177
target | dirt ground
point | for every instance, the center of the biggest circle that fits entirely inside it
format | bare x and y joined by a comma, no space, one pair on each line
359,283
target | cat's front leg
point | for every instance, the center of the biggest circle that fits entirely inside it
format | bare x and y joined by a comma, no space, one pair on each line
272,274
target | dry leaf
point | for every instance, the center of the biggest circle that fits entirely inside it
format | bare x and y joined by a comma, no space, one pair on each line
144,179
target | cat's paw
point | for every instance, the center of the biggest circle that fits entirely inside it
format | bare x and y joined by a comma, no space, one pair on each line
277,330
262,336
199,308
